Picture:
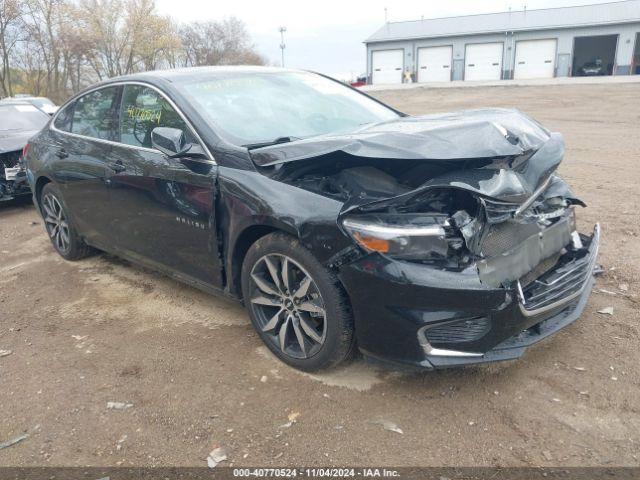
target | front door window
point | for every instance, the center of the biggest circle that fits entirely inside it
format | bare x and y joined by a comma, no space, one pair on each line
144,109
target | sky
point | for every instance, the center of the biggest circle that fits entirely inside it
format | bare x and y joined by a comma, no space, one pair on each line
327,35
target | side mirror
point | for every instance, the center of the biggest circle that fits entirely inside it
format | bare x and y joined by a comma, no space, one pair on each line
170,141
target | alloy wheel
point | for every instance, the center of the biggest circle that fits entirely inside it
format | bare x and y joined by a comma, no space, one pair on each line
56,222
288,306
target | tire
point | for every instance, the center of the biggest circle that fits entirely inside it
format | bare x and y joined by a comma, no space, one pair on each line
59,226
314,314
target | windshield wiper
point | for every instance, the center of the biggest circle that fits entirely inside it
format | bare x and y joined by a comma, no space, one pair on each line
278,140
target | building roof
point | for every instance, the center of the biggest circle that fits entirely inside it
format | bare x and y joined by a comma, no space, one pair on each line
547,18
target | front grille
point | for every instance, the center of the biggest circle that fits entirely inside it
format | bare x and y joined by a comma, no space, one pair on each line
542,268
459,331
502,237
557,284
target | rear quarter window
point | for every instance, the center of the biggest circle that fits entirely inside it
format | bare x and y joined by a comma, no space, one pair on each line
94,114
63,119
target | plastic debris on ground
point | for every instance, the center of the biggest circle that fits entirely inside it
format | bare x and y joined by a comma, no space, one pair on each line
13,441
604,290
293,417
119,405
387,425
216,456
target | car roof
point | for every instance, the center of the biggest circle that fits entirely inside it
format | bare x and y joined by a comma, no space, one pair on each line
197,72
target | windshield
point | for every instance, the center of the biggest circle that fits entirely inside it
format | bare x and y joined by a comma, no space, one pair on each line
257,107
22,117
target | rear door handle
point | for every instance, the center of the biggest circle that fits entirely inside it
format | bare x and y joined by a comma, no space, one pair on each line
62,153
117,166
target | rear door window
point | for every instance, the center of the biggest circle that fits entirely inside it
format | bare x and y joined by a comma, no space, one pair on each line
144,109
94,114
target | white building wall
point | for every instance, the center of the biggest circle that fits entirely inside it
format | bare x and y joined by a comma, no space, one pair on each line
624,52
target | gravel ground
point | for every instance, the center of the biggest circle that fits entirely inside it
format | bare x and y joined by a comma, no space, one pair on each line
101,330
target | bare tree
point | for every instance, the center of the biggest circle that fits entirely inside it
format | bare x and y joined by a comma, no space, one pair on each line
56,47
74,49
173,55
155,38
10,18
43,24
105,35
127,36
218,43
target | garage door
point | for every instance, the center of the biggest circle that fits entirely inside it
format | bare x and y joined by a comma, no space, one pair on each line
535,59
387,66
434,64
483,61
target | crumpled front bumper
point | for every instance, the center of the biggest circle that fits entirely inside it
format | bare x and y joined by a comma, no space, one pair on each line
395,305
14,188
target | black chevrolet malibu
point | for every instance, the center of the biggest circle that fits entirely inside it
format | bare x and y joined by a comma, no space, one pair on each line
341,223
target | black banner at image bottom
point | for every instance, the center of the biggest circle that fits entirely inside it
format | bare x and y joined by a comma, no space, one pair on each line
400,473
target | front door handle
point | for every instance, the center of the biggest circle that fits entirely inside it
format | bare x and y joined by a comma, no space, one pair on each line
117,166
62,153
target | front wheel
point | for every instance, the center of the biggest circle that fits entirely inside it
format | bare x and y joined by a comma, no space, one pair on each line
296,305
61,231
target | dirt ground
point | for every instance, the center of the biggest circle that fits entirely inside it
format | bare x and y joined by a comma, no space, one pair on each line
101,330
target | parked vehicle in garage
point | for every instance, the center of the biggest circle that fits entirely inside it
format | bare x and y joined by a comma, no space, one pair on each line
431,241
594,68
18,121
43,103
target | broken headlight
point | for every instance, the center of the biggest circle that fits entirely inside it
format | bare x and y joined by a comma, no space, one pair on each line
405,237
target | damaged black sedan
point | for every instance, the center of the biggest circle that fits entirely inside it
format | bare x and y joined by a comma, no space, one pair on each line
429,241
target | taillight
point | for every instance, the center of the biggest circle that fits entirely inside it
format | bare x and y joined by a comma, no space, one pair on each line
25,149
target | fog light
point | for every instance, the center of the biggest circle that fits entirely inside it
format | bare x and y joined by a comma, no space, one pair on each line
458,331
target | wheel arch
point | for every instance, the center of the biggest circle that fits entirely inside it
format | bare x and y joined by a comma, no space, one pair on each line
40,183
243,242
336,309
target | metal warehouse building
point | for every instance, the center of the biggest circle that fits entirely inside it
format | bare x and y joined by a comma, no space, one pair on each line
601,39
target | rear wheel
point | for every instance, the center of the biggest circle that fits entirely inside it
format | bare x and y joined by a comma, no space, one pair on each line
296,305
61,231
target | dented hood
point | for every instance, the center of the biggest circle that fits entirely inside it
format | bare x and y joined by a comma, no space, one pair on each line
496,153
469,134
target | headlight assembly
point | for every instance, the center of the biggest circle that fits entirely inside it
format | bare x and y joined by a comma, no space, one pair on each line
413,238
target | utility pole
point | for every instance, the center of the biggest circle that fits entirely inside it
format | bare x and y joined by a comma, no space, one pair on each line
282,45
